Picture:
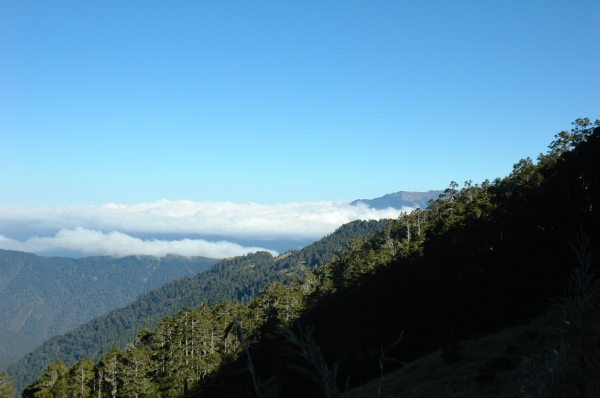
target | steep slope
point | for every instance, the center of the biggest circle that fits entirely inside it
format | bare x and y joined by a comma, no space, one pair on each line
239,278
44,296
531,360
480,259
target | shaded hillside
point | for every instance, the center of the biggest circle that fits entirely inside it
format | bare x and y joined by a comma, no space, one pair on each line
527,361
44,296
481,258
239,278
398,200
490,256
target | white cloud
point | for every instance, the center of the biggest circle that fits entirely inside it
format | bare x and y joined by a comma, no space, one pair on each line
118,244
294,220
107,229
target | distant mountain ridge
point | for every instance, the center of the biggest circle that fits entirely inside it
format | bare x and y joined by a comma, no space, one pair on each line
44,296
238,278
25,327
398,200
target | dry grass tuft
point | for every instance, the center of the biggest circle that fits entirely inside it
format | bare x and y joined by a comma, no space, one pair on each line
306,347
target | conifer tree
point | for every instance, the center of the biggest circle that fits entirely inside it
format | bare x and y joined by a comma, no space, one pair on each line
109,370
50,384
135,369
80,378
7,387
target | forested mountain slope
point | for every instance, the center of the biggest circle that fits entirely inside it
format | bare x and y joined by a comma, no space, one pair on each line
529,360
239,278
480,259
44,296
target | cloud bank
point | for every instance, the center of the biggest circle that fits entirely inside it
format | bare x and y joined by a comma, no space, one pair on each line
118,244
107,229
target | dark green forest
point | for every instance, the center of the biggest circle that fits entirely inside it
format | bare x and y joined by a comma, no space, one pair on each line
239,278
44,296
481,258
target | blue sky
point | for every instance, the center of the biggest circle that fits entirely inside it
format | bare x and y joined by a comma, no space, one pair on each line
274,102
278,101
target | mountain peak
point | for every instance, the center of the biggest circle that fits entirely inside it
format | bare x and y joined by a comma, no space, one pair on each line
400,199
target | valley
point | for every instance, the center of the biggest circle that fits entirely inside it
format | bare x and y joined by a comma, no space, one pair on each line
481,259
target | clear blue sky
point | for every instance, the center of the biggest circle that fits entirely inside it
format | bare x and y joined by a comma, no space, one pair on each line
271,102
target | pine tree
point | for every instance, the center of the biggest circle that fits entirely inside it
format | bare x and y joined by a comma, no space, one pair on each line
109,372
80,378
7,387
135,369
51,383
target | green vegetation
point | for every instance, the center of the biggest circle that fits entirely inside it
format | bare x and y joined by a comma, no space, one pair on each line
239,278
557,355
480,259
44,296
498,365
7,388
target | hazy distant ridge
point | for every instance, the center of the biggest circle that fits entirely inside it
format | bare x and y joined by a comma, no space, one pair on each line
400,199
43,296
240,278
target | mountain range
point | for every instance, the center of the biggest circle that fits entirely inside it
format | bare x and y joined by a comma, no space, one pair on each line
371,298
399,200
239,278
44,296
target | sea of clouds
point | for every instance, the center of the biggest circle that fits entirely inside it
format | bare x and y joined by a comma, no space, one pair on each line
110,229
